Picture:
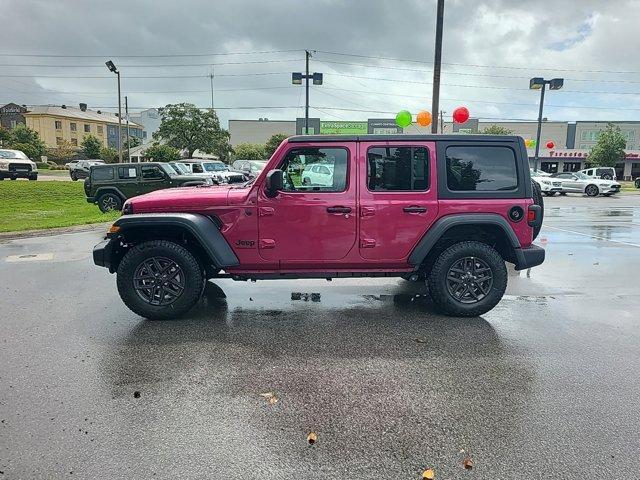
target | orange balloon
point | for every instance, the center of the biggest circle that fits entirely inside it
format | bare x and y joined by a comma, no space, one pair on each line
424,118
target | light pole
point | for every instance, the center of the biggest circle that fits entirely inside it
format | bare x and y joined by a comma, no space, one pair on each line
539,83
296,79
437,61
112,68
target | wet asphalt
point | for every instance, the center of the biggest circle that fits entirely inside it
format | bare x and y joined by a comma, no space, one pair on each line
544,386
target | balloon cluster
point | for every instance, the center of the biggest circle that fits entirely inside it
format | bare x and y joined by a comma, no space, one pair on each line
424,118
532,143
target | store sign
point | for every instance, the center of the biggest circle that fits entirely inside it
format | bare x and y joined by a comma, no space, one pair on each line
11,109
629,154
343,128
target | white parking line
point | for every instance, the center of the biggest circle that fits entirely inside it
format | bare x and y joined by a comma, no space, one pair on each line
596,237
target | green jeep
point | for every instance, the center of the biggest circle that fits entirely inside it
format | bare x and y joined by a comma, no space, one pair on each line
110,185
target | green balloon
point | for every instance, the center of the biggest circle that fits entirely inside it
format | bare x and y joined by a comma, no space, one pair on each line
533,143
403,118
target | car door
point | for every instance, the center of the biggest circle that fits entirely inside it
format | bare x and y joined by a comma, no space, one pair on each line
152,178
308,225
128,180
398,197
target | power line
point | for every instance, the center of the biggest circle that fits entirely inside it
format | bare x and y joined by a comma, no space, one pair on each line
163,55
149,76
161,65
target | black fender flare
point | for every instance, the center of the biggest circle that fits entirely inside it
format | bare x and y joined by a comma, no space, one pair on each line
440,227
102,190
203,229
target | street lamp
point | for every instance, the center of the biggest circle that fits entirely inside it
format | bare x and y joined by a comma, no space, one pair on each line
296,79
112,68
539,83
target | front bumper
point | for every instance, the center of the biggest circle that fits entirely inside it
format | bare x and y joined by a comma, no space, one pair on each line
611,189
19,173
529,257
103,253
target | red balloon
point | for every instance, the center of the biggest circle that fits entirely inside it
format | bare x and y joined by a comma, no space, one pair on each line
550,144
460,115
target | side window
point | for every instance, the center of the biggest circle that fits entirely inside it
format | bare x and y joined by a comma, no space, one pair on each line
151,172
127,172
303,167
396,169
197,168
481,168
102,173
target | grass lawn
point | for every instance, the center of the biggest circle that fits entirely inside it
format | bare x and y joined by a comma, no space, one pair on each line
627,186
38,205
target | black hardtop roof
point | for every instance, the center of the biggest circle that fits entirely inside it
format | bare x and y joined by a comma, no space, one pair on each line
126,164
403,138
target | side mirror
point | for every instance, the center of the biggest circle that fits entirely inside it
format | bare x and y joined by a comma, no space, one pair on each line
275,182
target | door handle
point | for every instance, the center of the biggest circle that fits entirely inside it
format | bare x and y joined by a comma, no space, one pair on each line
338,209
415,209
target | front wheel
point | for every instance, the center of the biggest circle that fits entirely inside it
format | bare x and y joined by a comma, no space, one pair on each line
637,182
73,177
467,279
160,280
591,191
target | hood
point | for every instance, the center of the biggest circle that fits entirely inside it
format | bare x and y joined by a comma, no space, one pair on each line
188,178
183,199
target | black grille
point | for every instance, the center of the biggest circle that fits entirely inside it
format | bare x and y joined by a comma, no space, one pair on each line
19,167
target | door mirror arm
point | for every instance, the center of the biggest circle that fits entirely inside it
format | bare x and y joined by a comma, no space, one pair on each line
274,182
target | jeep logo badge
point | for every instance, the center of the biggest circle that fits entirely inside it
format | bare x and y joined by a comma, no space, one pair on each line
245,243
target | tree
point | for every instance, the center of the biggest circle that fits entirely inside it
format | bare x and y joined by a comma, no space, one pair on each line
109,154
4,137
249,151
26,140
273,143
184,126
133,142
62,152
162,153
497,130
91,146
609,149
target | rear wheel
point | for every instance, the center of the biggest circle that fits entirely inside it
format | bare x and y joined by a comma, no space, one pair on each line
537,199
73,176
591,191
637,182
108,202
467,279
160,280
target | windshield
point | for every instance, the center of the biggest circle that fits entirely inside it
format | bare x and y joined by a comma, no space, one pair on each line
169,169
215,167
10,154
258,164
181,168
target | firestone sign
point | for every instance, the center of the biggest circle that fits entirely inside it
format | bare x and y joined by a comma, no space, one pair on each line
631,154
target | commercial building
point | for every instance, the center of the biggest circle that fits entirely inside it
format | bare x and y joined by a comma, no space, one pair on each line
571,140
56,123
150,121
12,115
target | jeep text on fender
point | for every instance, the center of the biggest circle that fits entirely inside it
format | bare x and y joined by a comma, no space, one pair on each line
446,209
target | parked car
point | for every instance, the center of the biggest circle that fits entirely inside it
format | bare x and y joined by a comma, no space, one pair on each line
606,173
81,168
318,175
109,186
636,182
181,167
578,182
15,164
548,186
215,169
251,168
450,209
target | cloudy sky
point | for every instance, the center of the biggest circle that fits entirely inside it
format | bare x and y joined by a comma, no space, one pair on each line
376,56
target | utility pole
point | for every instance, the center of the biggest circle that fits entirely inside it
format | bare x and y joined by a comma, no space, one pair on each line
537,155
437,62
306,91
211,78
126,113
441,121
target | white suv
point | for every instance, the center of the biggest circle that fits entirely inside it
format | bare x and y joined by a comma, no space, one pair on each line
15,164
605,173
215,169
548,186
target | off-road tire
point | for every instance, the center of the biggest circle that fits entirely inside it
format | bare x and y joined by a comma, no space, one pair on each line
437,280
637,182
194,279
607,176
591,190
538,200
108,202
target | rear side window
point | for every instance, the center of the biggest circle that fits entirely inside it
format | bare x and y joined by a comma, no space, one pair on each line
481,168
392,169
127,172
102,173
151,172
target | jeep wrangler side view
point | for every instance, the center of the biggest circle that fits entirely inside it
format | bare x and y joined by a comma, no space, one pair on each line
449,210
111,185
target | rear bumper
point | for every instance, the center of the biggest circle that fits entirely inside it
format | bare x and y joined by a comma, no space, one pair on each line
102,254
529,257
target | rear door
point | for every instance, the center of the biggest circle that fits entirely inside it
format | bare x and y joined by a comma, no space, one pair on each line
398,197
152,178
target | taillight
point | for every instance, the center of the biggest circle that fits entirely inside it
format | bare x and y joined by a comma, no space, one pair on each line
534,215
531,216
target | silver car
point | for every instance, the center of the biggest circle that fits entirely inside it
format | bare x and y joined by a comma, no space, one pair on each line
578,182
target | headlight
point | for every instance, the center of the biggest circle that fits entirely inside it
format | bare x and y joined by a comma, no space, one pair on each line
4,164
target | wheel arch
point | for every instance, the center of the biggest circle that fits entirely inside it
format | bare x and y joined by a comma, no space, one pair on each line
491,229
102,190
198,233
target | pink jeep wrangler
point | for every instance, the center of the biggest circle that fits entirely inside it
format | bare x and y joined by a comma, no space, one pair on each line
449,210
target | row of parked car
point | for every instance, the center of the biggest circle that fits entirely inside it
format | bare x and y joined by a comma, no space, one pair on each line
591,182
109,185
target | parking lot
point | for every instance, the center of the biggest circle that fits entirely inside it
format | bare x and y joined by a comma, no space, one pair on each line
544,386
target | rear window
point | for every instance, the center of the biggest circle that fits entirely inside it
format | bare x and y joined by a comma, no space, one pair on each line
102,173
127,172
481,168
397,169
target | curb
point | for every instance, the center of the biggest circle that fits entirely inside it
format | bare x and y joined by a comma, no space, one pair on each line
54,231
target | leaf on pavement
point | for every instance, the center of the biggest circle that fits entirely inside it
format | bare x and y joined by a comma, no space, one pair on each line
467,463
428,474
312,438
270,397
421,340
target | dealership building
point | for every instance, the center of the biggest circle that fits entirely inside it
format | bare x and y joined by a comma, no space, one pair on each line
572,140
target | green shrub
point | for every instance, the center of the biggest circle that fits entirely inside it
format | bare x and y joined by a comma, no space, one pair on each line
42,165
